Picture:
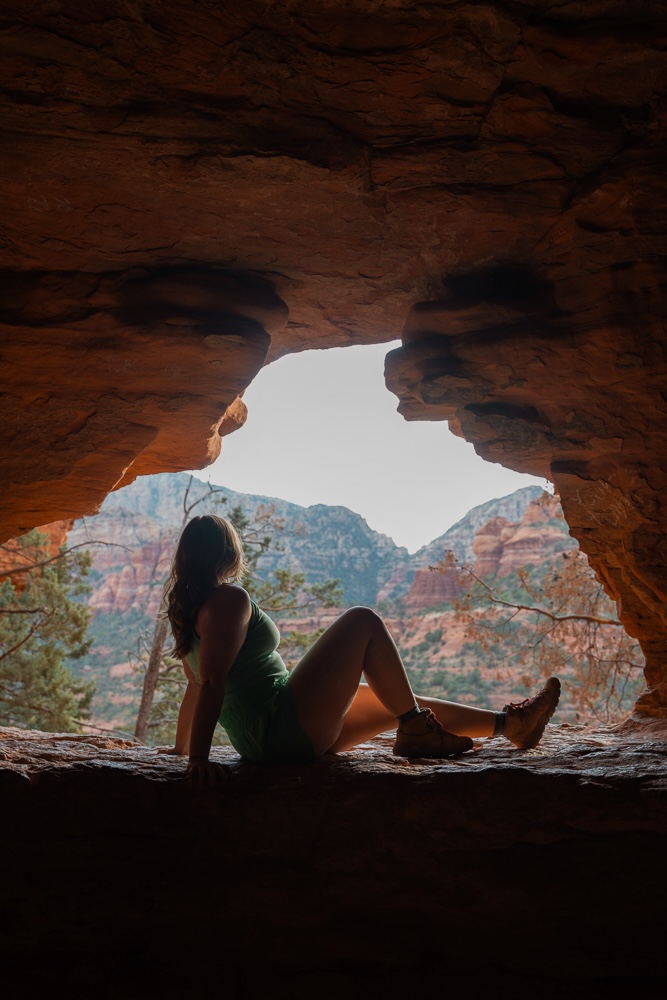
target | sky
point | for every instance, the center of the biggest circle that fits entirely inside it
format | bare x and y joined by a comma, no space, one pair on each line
323,428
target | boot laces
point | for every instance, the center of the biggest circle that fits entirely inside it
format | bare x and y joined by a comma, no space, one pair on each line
521,708
431,720
518,706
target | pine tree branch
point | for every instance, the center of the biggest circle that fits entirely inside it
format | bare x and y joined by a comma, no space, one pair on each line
20,611
35,626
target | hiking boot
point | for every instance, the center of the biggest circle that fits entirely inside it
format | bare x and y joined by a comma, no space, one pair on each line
423,736
526,720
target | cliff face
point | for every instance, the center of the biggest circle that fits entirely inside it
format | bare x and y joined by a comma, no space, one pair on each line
459,540
502,548
143,522
429,589
180,175
140,524
14,557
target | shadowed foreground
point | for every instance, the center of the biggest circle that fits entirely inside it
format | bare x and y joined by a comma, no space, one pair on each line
358,876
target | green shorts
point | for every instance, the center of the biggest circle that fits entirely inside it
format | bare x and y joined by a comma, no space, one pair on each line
263,726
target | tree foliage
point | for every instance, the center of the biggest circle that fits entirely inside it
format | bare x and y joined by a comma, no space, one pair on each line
554,620
41,625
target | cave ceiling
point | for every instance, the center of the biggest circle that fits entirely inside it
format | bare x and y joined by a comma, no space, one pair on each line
192,190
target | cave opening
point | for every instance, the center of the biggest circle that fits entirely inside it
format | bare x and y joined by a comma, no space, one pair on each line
323,428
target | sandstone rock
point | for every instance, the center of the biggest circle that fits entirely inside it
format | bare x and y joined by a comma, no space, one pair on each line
12,557
117,395
429,588
355,876
503,161
488,547
596,437
502,548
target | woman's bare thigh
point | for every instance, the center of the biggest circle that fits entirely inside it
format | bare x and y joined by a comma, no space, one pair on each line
326,679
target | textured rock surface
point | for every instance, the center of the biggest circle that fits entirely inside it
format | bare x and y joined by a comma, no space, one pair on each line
585,407
501,163
12,557
429,589
355,876
502,548
107,378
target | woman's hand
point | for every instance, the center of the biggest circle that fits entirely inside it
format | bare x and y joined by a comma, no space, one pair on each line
171,750
204,773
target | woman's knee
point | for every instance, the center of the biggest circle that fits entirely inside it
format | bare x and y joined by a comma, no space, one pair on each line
363,618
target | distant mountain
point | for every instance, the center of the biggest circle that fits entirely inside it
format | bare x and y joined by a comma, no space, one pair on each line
322,542
458,539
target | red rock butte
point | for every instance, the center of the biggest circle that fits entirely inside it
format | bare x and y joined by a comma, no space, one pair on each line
191,190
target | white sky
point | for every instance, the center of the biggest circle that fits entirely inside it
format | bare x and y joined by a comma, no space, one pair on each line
323,428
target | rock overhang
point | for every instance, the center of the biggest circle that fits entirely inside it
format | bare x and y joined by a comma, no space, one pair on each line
491,172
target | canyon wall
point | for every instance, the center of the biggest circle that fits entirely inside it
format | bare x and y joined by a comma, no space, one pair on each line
178,177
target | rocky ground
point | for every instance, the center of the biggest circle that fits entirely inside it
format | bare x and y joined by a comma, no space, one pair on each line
354,876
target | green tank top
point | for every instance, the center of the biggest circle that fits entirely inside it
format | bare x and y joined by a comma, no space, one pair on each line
258,658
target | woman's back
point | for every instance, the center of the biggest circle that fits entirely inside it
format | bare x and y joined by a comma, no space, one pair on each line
258,658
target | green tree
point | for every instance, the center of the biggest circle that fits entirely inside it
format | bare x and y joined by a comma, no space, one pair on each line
41,625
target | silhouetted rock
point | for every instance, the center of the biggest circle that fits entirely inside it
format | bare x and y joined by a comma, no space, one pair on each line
356,876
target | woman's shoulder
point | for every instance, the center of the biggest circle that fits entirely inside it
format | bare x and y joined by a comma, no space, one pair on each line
229,595
227,599
226,607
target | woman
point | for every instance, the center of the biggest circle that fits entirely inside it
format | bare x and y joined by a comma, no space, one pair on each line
236,676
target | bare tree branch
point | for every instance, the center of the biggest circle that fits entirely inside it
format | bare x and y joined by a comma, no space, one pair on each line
61,555
539,611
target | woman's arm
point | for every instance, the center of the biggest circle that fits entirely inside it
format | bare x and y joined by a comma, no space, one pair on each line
184,724
222,625
185,713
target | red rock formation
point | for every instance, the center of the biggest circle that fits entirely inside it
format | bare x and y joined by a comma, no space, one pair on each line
111,378
584,404
136,584
488,547
502,548
500,162
429,589
14,557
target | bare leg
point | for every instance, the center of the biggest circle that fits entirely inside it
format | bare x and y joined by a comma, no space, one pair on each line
367,717
337,713
326,680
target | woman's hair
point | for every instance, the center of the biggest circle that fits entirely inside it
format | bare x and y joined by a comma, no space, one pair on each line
209,552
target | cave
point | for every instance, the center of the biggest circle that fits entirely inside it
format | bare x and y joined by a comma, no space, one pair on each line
194,190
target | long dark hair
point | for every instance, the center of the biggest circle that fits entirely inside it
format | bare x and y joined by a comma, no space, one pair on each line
209,552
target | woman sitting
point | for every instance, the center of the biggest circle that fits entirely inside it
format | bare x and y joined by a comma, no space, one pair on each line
236,676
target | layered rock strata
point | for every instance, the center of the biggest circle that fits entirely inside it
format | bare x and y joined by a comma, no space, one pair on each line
582,402
502,548
500,162
114,376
